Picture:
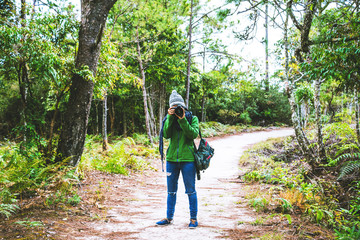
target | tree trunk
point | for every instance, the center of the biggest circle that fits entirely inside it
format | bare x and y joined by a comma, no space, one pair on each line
124,125
72,138
133,120
52,124
267,83
189,57
152,117
23,75
105,145
23,79
203,88
112,116
142,73
161,104
97,117
321,147
203,115
289,89
357,117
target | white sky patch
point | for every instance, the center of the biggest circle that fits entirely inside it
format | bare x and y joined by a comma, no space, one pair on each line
249,50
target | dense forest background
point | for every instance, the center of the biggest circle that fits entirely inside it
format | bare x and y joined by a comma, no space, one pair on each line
38,53
108,70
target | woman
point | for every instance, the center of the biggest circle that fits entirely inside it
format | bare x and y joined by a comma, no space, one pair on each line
181,128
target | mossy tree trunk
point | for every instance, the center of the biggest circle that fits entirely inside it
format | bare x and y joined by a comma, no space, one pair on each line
317,103
72,137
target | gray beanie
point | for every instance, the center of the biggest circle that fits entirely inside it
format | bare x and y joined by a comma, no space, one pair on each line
176,99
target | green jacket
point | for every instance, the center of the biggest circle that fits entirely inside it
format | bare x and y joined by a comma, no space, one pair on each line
181,148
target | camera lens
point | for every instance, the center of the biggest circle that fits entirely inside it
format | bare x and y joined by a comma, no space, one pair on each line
179,111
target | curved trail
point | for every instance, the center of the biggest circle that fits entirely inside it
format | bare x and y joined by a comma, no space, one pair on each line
217,191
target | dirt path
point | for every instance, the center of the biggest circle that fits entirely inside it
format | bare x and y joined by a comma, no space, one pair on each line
133,211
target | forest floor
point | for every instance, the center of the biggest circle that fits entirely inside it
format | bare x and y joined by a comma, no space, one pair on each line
127,207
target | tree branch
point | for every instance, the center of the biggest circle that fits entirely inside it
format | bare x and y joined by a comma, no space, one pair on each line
206,14
292,16
335,40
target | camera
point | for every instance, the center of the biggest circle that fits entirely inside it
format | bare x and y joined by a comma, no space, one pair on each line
179,111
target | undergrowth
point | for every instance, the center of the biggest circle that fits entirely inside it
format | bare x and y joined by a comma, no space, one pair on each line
26,173
330,197
123,156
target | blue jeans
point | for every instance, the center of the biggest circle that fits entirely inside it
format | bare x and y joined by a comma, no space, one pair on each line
188,172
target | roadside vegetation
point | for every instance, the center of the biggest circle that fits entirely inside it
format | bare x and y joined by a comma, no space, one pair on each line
327,196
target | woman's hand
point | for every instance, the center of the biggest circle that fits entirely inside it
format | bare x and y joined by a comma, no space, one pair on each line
171,111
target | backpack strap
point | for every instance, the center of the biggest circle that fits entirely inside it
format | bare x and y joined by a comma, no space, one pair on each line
198,171
161,143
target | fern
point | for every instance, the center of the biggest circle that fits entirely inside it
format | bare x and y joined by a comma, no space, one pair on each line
7,209
345,156
349,168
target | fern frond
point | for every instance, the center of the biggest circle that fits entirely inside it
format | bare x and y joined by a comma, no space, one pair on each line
8,209
345,156
349,168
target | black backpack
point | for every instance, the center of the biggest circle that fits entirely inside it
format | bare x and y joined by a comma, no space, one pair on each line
203,155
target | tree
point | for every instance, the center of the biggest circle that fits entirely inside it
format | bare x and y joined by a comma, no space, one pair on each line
189,53
72,138
37,56
315,58
147,26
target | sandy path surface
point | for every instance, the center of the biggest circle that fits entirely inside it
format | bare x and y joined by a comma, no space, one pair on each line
218,194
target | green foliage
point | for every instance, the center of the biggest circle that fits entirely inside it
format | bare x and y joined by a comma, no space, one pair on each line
260,204
344,157
7,209
272,236
37,59
27,173
344,135
245,117
67,196
291,191
253,176
285,205
241,99
349,168
30,224
212,129
304,93
85,73
124,155
349,227
348,234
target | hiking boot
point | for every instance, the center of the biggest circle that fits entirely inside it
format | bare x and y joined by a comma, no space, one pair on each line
193,223
164,222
